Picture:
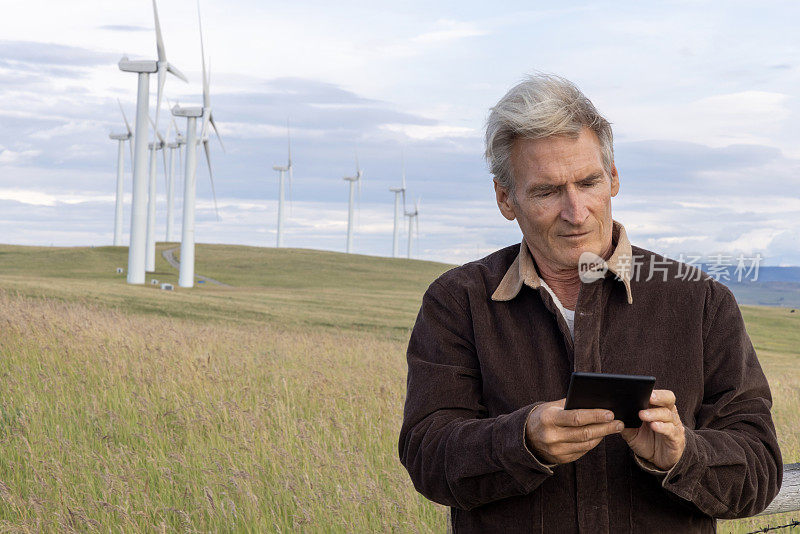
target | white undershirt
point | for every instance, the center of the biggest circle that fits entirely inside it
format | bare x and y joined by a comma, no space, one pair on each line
569,315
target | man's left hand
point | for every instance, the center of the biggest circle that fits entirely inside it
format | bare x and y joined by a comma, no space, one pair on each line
661,439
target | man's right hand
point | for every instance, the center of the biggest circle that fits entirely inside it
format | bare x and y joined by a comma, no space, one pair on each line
559,436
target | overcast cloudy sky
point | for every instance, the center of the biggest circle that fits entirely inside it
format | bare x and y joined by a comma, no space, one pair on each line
703,97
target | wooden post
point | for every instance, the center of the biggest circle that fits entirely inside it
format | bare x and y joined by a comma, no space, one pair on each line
788,500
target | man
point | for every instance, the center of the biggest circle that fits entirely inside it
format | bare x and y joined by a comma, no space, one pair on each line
489,361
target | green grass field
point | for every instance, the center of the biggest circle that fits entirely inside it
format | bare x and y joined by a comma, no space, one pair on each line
272,405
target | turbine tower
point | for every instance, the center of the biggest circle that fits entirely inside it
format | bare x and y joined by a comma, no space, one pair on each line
138,241
121,138
397,192
413,223
352,180
186,274
158,144
281,169
176,144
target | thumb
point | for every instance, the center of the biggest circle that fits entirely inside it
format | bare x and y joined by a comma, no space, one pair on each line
628,434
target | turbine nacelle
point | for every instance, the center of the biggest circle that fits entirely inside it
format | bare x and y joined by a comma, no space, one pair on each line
120,137
140,65
194,111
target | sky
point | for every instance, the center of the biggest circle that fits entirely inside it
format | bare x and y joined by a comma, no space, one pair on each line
702,97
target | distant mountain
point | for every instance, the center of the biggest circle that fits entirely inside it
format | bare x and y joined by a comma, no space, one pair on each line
764,274
771,286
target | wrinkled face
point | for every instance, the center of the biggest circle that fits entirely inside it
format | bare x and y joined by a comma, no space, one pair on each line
563,198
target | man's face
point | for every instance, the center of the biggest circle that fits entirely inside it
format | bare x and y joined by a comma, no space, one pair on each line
561,189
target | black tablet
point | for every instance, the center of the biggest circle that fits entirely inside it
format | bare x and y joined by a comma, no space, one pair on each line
624,395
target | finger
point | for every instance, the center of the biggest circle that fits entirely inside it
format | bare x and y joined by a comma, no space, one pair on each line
658,414
577,448
588,433
668,430
662,397
582,417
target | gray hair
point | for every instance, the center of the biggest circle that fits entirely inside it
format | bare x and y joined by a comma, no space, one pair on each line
541,106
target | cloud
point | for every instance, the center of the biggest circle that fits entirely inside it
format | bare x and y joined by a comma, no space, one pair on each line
20,53
444,32
414,131
694,170
124,28
11,157
450,30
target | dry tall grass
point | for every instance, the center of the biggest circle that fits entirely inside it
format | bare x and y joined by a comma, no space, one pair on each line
116,422
267,407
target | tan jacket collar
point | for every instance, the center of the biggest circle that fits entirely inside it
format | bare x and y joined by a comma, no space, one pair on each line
523,270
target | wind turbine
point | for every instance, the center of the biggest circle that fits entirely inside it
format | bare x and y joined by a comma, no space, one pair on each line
121,138
281,169
413,224
352,180
186,273
176,144
157,144
397,192
138,242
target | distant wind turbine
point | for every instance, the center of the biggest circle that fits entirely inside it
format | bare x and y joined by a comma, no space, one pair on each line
186,273
282,169
176,144
138,241
413,224
397,192
121,138
352,180
158,144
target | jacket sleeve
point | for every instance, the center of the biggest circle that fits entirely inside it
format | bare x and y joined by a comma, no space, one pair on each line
732,465
455,454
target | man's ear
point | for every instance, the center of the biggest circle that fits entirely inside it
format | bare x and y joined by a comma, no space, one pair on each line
614,180
504,202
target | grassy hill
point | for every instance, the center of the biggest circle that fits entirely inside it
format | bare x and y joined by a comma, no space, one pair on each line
270,405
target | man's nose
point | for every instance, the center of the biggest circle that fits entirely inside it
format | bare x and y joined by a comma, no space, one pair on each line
573,209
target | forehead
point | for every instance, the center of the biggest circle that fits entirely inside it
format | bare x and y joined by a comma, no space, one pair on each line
556,159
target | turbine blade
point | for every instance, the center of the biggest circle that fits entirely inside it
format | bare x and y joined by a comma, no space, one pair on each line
403,156
169,129
211,175
175,126
206,99
174,70
162,77
289,140
162,55
128,126
154,128
164,158
214,125
290,190
130,145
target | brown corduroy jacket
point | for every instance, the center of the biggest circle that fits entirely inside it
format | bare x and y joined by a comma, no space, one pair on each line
489,345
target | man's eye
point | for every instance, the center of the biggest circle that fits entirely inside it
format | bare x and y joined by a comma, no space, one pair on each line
590,184
543,194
